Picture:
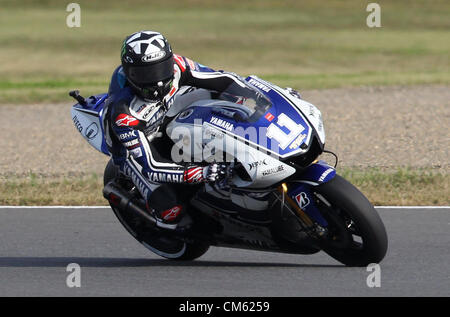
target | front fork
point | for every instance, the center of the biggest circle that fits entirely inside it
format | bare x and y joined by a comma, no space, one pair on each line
299,194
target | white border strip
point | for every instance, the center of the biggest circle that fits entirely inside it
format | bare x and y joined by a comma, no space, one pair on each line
103,207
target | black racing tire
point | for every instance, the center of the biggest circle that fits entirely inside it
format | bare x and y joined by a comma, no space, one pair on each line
153,238
358,236
111,172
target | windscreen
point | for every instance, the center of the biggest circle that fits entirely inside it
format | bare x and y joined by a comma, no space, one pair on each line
251,101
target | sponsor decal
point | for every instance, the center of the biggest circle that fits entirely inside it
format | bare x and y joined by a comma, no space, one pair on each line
154,56
137,152
165,177
125,120
256,164
320,127
128,59
141,107
222,123
269,116
172,213
259,85
273,170
132,144
156,116
312,111
325,174
302,200
127,135
185,114
91,131
77,124
147,113
297,141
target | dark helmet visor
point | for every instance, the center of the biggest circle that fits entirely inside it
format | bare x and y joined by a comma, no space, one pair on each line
150,74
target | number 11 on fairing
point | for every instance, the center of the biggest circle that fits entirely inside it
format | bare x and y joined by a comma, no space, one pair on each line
274,132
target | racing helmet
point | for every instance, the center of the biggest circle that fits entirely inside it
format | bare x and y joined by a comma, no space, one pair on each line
147,61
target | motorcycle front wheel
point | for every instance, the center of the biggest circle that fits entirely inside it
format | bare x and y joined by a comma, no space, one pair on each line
356,235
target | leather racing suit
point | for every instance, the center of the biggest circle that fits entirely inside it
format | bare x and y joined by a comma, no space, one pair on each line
131,125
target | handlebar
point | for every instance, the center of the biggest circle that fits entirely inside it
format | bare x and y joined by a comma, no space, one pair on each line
76,95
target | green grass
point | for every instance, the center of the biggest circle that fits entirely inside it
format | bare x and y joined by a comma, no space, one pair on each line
394,186
401,186
35,190
302,44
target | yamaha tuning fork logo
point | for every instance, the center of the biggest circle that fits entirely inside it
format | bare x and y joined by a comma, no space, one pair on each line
91,131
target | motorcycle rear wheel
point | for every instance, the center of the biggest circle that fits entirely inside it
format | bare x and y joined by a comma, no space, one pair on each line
154,239
357,236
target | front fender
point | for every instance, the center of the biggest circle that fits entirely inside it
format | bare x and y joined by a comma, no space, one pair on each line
316,174
301,193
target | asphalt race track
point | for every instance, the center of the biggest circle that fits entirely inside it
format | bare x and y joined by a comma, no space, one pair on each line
38,244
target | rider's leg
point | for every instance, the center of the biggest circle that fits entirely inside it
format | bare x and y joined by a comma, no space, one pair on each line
165,201
167,206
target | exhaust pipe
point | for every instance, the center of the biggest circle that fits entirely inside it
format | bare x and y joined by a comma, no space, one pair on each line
116,196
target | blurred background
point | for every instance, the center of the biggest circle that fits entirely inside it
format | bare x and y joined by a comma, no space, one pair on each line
302,44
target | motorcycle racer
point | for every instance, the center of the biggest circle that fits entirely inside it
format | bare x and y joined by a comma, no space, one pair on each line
281,198
141,91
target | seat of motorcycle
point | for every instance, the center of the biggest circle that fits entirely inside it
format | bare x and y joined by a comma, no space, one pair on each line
185,100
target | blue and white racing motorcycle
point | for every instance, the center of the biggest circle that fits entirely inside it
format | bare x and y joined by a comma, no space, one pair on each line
279,197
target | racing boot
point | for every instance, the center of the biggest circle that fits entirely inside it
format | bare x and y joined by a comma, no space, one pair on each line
173,218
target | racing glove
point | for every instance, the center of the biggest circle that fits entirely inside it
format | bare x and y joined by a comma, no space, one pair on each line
211,173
